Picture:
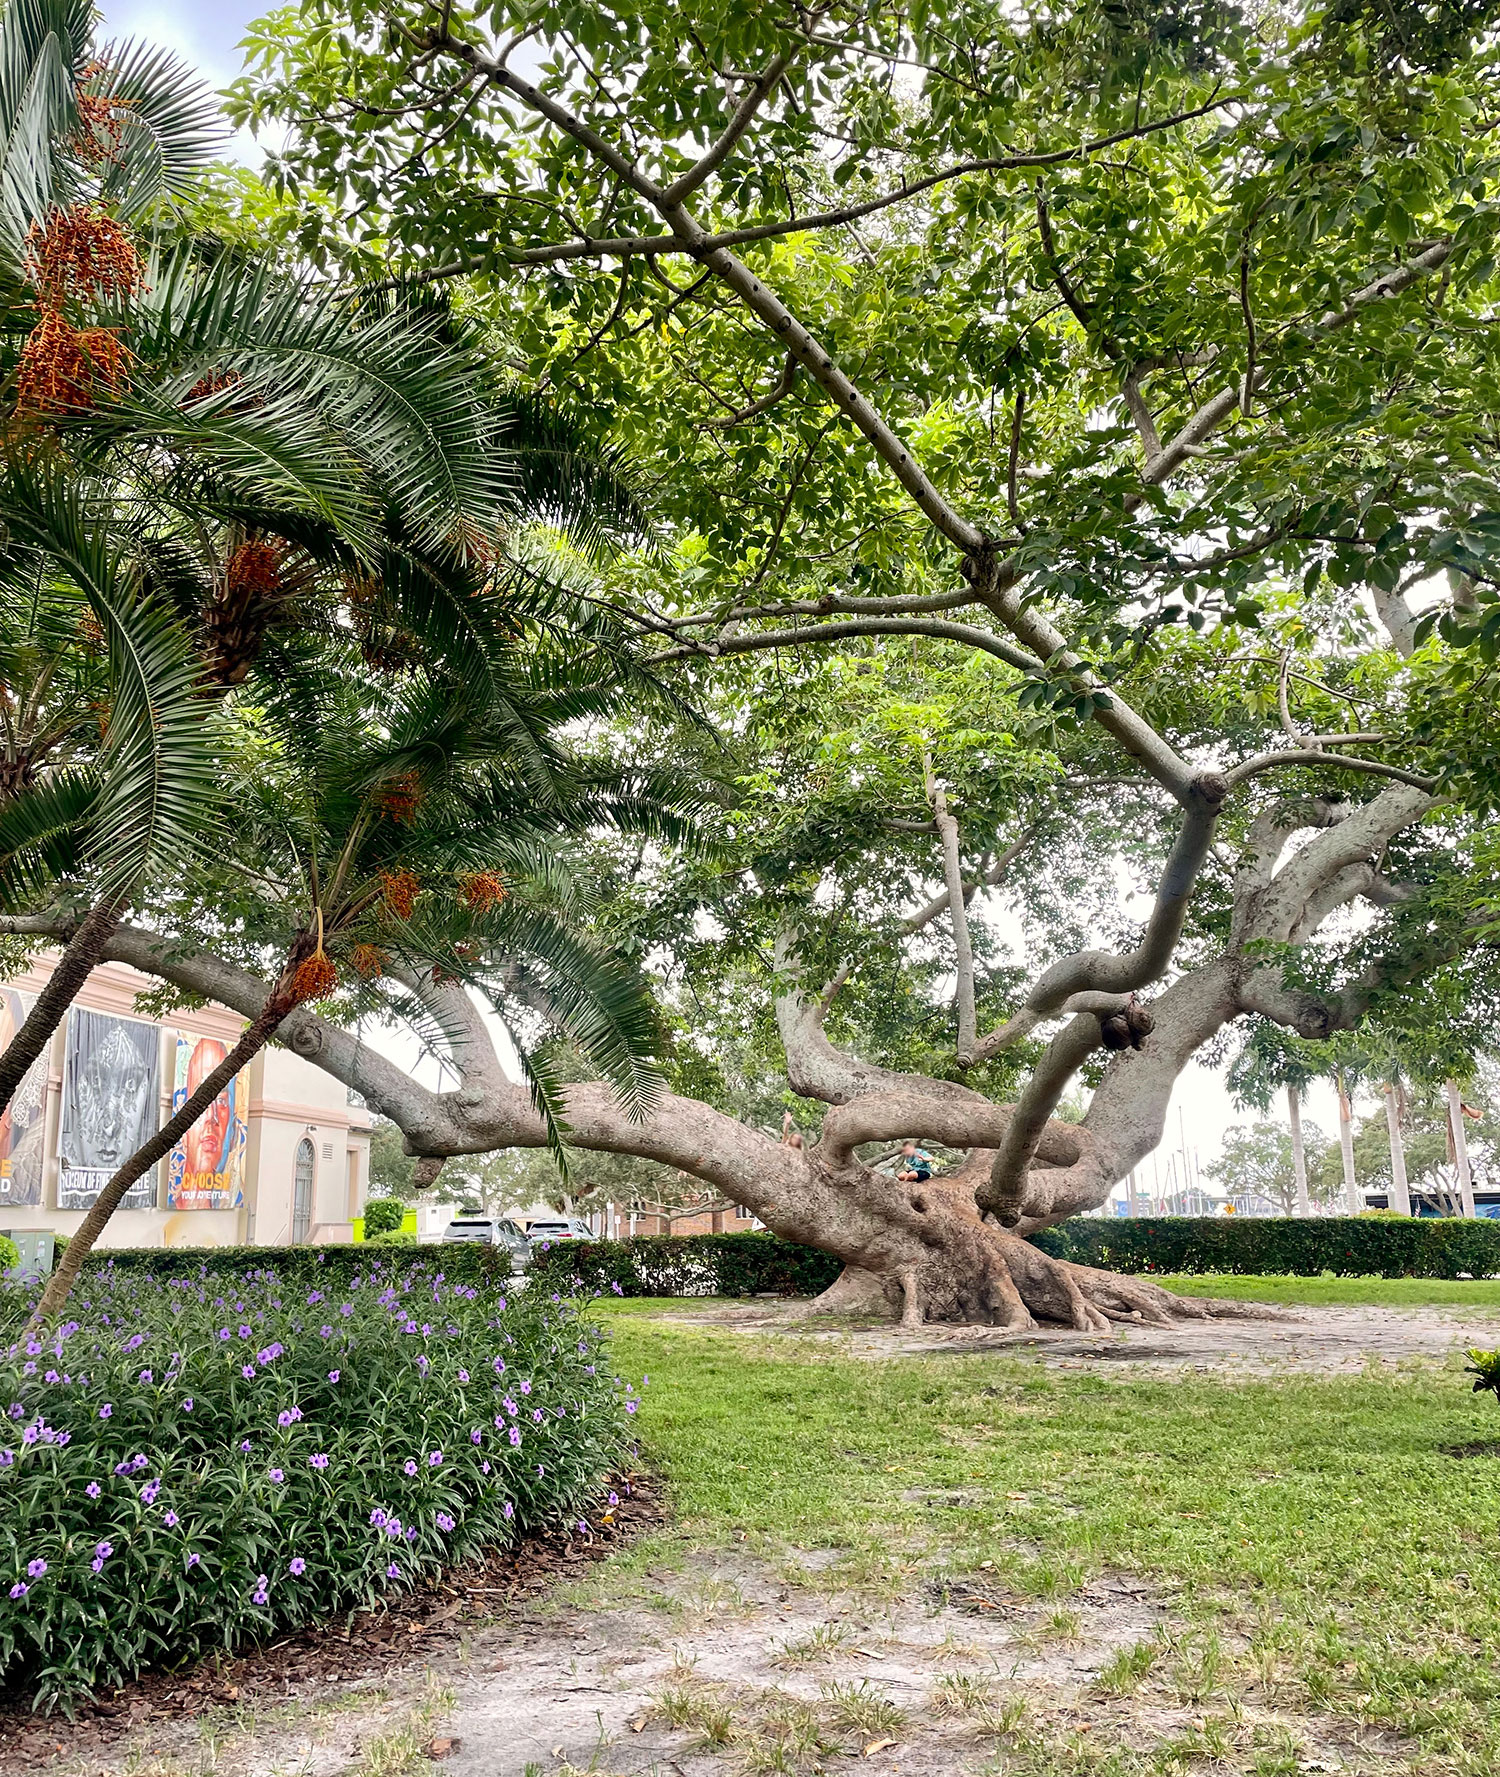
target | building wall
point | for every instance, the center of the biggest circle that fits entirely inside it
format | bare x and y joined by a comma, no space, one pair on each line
288,1101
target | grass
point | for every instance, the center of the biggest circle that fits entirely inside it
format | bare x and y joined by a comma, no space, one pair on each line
1482,1295
1319,1546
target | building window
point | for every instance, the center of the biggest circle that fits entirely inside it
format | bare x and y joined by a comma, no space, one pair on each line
351,1189
302,1191
741,1214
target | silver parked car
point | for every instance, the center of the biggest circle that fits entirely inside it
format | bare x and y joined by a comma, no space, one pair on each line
564,1228
489,1231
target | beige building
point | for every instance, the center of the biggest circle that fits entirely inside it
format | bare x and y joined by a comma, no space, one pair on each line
281,1158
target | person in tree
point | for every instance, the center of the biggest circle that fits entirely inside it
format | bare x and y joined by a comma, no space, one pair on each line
790,1138
914,1164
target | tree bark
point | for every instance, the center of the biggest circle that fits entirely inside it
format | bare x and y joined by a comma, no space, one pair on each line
83,950
1400,1199
253,1040
1299,1151
1346,1148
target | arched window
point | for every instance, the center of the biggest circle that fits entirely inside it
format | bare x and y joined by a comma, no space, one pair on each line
302,1191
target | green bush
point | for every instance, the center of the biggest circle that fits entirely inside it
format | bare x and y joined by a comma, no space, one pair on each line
202,1455
383,1215
10,1253
392,1237
1279,1246
685,1265
461,1262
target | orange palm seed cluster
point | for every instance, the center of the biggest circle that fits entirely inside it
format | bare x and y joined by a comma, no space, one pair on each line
64,368
483,890
401,797
254,566
400,889
369,961
315,979
84,255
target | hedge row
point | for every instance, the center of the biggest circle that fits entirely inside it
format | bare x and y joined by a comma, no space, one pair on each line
686,1265
760,1264
1278,1246
464,1262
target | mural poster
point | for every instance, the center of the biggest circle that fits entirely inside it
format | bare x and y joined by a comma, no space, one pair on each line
207,1168
111,1104
23,1124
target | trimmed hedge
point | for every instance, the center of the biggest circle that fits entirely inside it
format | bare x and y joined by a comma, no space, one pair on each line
464,1262
685,1265
1280,1246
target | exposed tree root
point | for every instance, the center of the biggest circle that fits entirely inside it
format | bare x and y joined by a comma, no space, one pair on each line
982,1275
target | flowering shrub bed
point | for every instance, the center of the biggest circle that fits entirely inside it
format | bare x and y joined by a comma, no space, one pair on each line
197,1460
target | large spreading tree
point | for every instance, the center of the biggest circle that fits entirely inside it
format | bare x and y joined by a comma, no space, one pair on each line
1075,431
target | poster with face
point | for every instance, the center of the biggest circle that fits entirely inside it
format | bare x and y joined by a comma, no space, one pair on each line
111,1104
23,1125
207,1168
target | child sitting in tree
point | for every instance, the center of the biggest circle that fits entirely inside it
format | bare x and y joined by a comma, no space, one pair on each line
914,1167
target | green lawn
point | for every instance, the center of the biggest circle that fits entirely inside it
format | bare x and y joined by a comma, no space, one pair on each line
1482,1295
1321,1545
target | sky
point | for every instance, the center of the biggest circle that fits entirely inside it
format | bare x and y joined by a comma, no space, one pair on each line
206,33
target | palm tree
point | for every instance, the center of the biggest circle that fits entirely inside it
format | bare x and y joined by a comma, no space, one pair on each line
204,458
405,842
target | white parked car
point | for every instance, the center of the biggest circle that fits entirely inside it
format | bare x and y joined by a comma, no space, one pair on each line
490,1232
564,1228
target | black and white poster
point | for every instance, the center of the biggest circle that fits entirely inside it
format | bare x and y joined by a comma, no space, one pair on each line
111,1104
23,1123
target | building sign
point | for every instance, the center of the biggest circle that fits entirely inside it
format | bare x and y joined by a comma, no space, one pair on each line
207,1168
111,1105
23,1125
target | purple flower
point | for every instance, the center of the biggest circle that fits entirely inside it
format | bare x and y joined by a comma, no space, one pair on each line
150,1491
583,1528
296,1566
393,1527
285,1419
52,1376
187,1405
393,1572
245,1334
463,1375
434,1458
515,1434
475,1436
20,1589
333,1375
630,1406
259,1595
31,1434
327,1332
103,1551
408,1467
245,1445
318,1461
35,1569
510,1510
510,1407
377,1518
138,1461
411,1533
499,1366
247,1371
484,1468
444,1522
536,1414
105,1410
97,1564
145,1376
525,1388
93,1490
171,1520
614,1499
193,1558
277,1476
223,1332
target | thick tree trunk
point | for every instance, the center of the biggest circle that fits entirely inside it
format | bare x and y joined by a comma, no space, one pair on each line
85,948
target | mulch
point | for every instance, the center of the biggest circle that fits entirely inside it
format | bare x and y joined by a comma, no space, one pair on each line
339,1651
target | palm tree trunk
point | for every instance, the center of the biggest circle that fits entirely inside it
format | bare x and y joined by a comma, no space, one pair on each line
1299,1151
1346,1147
254,1039
74,966
1460,1148
1400,1198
